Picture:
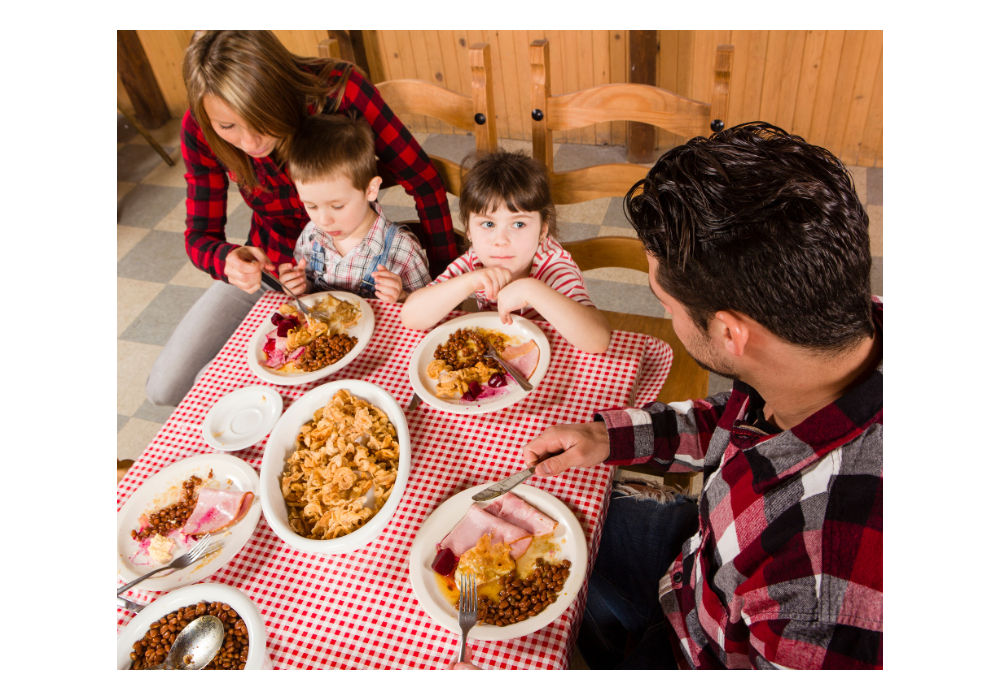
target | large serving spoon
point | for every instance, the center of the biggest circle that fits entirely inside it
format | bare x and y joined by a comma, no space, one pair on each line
196,645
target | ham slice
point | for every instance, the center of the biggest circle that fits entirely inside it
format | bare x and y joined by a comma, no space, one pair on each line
523,357
515,511
476,523
216,509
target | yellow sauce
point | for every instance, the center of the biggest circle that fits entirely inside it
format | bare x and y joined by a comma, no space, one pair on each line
545,547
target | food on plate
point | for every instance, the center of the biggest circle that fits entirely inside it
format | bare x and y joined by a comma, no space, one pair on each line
301,343
217,509
159,548
488,561
151,650
462,369
521,598
172,517
343,468
500,544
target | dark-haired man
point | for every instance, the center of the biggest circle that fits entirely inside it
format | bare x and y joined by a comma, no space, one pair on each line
758,246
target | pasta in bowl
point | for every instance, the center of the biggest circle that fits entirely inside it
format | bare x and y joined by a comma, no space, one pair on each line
335,467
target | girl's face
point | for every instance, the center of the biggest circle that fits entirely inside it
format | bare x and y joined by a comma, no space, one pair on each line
507,239
232,129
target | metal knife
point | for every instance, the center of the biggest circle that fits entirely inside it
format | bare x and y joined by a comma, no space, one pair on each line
133,608
502,487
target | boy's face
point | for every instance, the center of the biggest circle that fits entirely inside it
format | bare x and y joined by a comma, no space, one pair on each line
507,239
339,209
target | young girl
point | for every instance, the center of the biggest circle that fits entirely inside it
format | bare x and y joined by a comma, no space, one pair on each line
514,263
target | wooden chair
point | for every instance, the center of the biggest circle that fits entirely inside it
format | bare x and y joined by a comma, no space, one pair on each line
615,102
473,113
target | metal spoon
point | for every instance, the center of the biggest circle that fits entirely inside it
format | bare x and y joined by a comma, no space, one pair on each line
196,645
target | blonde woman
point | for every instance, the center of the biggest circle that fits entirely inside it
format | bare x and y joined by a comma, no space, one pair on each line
247,95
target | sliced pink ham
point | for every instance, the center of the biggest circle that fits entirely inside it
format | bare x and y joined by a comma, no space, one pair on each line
523,357
515,511
476,523
216,509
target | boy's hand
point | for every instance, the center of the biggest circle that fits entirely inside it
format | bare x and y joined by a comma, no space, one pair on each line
294,277
388,285
243,267
513,297
491,280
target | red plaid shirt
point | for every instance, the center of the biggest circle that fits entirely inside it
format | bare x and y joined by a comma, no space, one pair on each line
278,215
786,567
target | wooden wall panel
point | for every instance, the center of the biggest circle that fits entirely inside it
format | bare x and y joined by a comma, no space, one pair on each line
825,86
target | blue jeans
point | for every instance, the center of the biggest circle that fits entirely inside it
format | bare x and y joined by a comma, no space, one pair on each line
623,624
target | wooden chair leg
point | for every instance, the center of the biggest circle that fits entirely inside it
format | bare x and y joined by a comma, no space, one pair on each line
123,466
146,135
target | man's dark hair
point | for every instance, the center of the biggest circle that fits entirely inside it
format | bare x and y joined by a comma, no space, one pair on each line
758,221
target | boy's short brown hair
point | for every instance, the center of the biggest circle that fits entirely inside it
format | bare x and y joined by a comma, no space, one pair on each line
510,178
328,145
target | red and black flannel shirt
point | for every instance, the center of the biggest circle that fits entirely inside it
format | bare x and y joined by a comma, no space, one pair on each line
278,214
785,570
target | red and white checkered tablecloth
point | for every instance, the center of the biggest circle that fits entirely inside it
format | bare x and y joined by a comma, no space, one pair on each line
358,610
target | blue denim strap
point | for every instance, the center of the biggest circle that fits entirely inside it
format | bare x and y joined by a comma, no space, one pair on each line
368,281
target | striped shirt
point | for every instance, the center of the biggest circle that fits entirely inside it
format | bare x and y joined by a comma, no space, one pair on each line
785,570
327,269
552,265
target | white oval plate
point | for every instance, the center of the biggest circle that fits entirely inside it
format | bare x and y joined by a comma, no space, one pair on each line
568,534
363,331
423,355
164,488
242,418
257,658
282,443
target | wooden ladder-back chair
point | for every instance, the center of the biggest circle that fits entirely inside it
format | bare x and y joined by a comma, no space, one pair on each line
473,113
615,102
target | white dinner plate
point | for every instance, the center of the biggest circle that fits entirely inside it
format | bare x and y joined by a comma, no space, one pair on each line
362,330
521,329
568,535
164,488
242,418
281,445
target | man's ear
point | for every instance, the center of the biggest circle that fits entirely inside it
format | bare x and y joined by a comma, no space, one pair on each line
372,192
735,332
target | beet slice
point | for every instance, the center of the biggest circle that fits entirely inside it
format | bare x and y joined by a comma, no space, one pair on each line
276,318
445,562
498,380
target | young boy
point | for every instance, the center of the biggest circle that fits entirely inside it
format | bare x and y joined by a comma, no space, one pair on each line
348,244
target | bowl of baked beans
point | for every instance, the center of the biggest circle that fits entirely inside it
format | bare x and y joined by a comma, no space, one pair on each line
143,642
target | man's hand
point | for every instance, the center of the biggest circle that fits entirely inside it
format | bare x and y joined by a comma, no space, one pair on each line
461,666
243,266
388,285
491,280
564,446
513,297
294,277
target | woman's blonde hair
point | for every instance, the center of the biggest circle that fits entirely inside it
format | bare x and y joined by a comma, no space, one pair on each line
269,87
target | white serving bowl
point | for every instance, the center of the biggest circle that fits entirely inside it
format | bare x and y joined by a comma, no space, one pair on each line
257,658
281,444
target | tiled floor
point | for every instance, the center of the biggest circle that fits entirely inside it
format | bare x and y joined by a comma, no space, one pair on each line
157,283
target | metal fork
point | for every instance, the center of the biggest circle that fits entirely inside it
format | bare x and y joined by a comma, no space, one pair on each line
202,549
318,315
492,352
468,603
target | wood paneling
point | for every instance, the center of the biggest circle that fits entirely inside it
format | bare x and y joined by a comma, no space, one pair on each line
825,86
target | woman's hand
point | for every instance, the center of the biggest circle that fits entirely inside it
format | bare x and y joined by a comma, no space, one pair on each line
243,266
491,280
388,285
513,297
294,277
562,447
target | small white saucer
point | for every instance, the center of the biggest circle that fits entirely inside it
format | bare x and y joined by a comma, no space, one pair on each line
242,418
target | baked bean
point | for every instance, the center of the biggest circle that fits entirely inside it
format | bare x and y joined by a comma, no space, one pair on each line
152,649
173,516
325,350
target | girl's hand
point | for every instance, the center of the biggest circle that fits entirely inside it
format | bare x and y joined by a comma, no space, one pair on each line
513,297
243,266
294,277
491,280
388,285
